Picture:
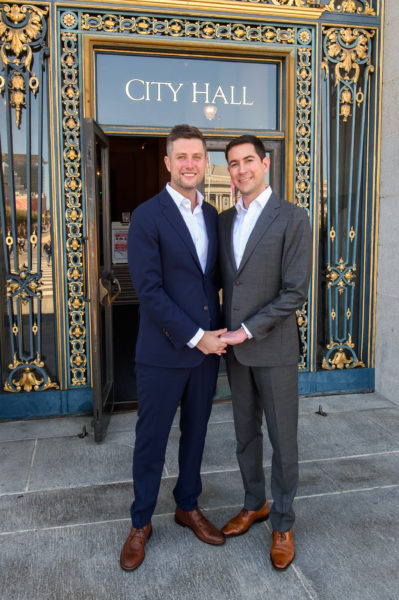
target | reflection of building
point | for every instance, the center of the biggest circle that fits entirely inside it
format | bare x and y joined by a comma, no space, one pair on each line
327,58
23,173
218,190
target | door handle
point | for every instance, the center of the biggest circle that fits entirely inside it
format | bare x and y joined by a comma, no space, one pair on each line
105,297
118,289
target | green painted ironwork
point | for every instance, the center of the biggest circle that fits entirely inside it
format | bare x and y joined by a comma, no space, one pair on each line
347,68
23,81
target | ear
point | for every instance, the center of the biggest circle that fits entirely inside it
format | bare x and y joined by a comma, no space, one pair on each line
266,163
167,162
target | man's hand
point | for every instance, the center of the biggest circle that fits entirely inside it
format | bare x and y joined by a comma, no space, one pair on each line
234,337
211,343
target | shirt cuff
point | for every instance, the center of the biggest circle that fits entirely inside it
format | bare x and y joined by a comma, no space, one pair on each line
249,334
194,340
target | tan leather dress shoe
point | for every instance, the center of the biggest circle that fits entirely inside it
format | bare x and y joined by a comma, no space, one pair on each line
283,551
243,521
203,529
133,551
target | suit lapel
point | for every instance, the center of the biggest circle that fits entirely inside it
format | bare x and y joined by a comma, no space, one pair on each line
266,218
172,214
228,237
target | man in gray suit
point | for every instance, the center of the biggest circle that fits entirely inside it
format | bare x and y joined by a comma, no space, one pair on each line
265,254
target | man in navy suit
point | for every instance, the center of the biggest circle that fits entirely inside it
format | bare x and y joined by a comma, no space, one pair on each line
172,252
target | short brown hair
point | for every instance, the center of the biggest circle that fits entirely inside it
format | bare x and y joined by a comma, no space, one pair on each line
183,131
247,139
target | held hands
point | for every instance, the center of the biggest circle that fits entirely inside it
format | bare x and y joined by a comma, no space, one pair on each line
211,342
234,337
215,342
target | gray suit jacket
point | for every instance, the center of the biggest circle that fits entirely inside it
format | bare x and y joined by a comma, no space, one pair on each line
270,284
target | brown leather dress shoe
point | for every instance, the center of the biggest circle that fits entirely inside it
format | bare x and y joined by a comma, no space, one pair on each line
133,552
283,551
203,529
243,521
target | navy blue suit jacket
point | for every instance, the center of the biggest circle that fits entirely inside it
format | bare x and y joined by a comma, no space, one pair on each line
176,297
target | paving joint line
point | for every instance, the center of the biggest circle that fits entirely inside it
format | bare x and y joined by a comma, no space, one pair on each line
32,459
170,514
216,472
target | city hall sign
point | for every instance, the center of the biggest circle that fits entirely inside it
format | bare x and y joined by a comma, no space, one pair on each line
157,91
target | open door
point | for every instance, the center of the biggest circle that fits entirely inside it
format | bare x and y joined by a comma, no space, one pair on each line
102,286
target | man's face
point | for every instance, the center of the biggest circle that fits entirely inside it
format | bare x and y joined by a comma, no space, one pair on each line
247,171
186,164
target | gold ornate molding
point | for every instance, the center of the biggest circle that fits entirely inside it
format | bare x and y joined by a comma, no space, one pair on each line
29,377
340,360
21,28
348,48
360,7
298,3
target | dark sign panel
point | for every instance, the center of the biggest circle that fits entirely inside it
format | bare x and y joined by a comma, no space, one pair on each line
159,91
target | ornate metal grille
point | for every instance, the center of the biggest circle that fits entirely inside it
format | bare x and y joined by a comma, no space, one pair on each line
25,201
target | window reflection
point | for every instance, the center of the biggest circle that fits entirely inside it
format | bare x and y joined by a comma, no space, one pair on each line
28,328
218,189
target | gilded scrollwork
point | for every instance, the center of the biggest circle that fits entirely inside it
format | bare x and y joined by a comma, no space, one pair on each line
28,376
23,44
341,356
303,157
22,30
188,28
348,48
298,3
341,275
360,7
73,203
346,68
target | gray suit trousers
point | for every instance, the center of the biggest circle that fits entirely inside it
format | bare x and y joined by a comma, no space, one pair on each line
274,392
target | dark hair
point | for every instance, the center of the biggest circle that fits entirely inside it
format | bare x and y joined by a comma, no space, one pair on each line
247,139
183,131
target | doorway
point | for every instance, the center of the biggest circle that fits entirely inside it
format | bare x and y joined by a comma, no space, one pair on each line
137,172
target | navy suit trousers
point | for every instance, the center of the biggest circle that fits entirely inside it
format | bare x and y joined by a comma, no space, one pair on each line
160,390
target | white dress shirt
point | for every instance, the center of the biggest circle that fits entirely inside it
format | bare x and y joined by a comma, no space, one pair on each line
196,225
244,223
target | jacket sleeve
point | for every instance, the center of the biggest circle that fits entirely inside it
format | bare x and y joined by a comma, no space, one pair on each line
145,265
295,275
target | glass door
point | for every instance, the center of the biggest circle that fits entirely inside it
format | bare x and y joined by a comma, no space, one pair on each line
102,286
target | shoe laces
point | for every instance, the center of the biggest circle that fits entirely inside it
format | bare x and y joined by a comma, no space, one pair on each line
138,533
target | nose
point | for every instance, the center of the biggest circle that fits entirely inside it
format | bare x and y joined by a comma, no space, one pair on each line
189,162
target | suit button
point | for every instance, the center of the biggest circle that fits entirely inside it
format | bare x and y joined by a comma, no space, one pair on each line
237,282
205,307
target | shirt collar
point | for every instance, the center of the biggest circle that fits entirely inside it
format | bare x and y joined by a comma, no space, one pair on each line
178,198
260,200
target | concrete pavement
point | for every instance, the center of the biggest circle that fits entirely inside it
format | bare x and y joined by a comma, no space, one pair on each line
64,502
